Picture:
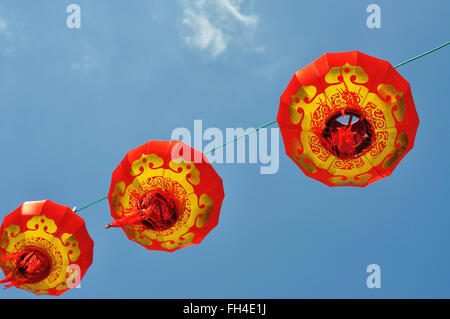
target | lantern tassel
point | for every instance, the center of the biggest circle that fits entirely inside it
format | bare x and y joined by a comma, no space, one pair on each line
157,209
29,266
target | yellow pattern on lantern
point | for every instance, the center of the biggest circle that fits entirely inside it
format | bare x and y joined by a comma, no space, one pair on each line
40,233
181,177
206,204
173,242
10,232
72,244
347,90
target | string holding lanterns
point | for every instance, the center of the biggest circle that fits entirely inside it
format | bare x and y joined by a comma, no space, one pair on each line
347,119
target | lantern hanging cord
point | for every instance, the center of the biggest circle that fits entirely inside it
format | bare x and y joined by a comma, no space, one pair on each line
241,136
75,209
90,204
270,123
421,55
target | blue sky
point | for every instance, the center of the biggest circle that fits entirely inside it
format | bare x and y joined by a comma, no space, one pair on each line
74,101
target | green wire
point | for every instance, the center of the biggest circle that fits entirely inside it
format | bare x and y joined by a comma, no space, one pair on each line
273,122
421,55
212,150
90,204
242,136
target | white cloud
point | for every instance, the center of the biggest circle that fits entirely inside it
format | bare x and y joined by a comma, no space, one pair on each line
205,35
215,25
6,39
234,10
84,64
87,59
4,28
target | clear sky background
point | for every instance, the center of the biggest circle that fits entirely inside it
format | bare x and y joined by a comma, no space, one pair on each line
74,101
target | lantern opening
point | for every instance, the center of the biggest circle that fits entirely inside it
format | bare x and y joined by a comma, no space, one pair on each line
157,209
29,266
347,134
161,207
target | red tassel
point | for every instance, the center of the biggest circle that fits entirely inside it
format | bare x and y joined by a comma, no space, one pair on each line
157,209
28,266
9,277
349,140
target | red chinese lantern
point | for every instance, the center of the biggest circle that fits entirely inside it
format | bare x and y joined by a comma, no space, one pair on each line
165,196
45,248
347,119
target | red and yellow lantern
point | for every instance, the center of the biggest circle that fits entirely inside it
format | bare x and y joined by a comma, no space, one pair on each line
347,119
45,248
165,196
